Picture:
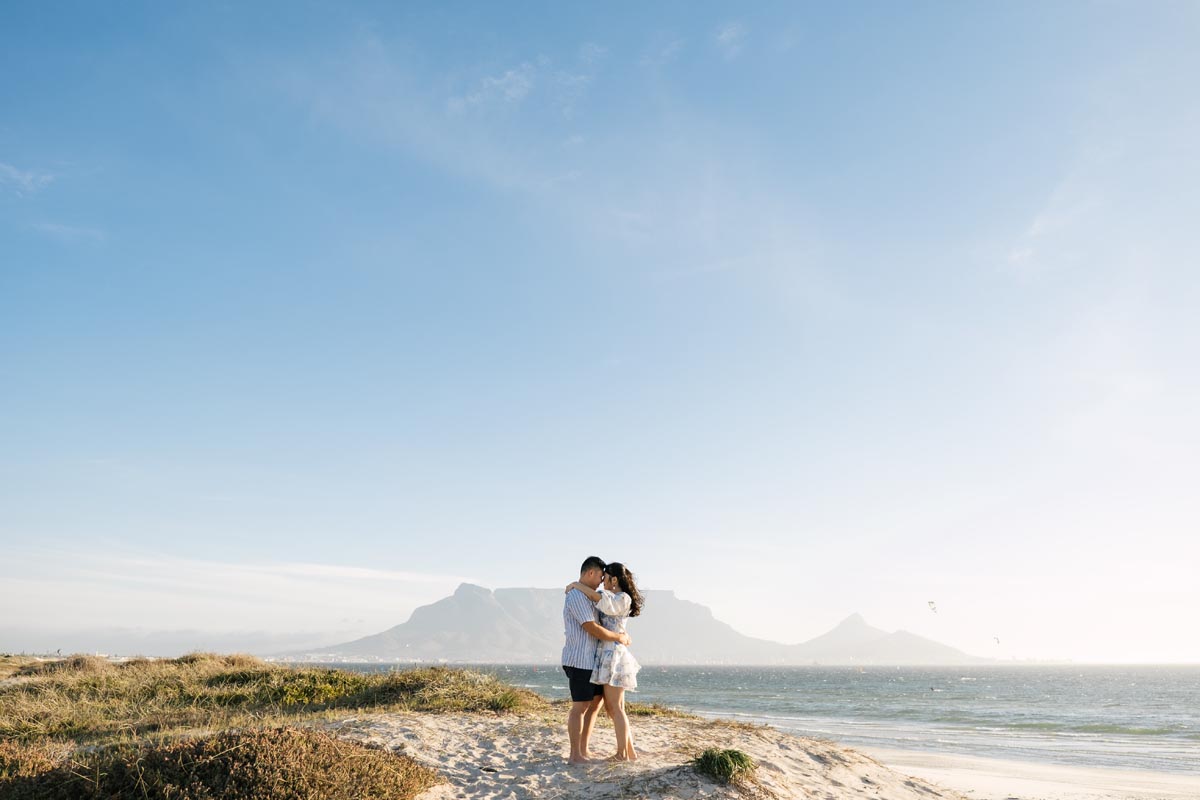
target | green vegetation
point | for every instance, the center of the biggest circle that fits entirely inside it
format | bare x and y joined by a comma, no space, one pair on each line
655,710
727,766
280,764
154,721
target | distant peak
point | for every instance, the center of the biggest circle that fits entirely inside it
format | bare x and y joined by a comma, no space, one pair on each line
854,621
470,590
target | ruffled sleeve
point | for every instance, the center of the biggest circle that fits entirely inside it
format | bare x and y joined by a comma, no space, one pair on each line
614,605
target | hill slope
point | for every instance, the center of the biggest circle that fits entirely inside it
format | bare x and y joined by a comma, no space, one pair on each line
524,626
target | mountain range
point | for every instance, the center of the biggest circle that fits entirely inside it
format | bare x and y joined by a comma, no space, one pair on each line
525,626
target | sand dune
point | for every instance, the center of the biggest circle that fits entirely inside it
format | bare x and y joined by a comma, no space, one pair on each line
488,757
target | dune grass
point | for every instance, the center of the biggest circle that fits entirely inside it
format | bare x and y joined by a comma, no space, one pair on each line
92,700
84,715
727,766
281,764
656,710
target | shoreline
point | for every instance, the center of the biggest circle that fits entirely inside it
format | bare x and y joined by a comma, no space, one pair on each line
1003,779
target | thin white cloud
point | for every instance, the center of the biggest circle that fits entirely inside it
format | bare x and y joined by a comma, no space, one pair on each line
692,204
512,86
661,55
349,572
590,52
159,592
23,181
731,38
70,233
570,88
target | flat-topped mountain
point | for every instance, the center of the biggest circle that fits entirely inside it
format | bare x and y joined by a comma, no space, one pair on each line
524,626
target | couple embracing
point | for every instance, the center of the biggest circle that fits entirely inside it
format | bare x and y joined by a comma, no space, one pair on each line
596,655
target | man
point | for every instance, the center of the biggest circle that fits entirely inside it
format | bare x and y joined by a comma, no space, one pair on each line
581,624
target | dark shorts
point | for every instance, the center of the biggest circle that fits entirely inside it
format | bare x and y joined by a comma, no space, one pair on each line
582,688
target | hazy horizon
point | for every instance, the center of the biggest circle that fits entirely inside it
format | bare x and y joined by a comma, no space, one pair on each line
310,313
126,641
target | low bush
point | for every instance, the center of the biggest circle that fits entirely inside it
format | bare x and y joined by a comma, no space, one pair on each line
727,766
277,764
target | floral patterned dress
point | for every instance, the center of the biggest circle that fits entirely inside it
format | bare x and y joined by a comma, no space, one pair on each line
615,665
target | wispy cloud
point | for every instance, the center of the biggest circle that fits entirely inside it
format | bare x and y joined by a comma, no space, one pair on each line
1048,241
156,591
730,39
682,192
511,86
590,52
70,233
23,181
662,54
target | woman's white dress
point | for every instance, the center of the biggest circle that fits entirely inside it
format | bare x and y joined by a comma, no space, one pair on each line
615,665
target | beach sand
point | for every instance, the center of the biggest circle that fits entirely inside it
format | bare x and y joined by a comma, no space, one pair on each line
996,779
486,756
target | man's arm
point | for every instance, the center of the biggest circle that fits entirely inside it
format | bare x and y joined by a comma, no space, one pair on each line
598,631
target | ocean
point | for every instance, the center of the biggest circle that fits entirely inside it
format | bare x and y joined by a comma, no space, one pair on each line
1128,717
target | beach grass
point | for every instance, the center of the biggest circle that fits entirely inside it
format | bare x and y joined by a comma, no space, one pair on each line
84,715
655,710
727,766
280,763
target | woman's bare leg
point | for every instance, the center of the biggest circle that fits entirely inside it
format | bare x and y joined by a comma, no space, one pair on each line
614,700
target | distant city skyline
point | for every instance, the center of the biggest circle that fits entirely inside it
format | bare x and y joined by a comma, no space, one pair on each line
310,313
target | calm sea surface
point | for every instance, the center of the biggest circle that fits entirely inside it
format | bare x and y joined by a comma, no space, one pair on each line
1127,717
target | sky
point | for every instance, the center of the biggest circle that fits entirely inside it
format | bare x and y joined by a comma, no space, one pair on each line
311,311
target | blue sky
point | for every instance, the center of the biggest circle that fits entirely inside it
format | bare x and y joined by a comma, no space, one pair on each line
799,311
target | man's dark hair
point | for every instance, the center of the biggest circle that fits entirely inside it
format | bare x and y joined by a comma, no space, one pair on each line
592,562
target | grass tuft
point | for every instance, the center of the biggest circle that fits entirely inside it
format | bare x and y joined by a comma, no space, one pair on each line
280,764
79,665
727,766
655,710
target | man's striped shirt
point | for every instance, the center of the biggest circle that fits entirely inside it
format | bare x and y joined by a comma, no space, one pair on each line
580,648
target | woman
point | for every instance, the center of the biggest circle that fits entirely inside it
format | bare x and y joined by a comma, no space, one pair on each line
616,669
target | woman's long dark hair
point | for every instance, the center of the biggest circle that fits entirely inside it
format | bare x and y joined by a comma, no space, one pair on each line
625,581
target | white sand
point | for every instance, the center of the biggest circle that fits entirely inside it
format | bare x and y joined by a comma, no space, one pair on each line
995,779
512,756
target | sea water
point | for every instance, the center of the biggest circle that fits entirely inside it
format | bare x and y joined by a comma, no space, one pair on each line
1129,717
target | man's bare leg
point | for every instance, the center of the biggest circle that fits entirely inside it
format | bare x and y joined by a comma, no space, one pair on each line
589,719
575,726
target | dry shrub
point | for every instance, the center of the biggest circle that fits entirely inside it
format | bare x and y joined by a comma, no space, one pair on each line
236,660
28,760
278,764
440,689
79,665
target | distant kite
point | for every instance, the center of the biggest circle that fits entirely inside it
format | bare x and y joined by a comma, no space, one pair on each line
997,638
933,606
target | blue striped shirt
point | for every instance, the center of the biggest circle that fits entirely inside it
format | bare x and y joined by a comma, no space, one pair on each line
580,648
